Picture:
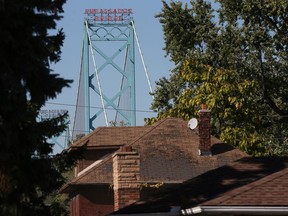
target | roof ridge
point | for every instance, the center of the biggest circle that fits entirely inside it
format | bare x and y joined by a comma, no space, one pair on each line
153,126
76,143
97,130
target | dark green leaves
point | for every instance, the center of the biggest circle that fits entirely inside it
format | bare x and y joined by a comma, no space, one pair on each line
234,59
28,172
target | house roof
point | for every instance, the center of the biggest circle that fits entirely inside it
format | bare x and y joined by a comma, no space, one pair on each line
271,190
246,182
168,153
110,136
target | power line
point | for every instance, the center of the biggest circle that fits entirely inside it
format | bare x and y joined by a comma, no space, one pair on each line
96,107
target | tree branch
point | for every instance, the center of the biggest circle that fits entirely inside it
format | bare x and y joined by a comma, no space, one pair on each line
276,109
269,20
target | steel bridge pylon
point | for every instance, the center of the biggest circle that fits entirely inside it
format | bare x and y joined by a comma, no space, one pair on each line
106,90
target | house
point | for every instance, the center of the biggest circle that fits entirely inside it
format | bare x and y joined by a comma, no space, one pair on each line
248,186
125,164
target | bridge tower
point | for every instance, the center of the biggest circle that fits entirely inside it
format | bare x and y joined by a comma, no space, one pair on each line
106,90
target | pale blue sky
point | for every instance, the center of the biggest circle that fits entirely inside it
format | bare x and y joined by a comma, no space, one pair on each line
150,35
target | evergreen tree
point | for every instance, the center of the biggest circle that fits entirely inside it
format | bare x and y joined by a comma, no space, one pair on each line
28,174
234,59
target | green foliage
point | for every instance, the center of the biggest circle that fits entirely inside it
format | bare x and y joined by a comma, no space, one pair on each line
28,173
59,203
234,59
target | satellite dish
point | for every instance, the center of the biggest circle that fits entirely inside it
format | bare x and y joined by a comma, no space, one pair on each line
192,124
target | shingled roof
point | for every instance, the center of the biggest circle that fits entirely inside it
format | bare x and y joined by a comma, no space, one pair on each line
168,153
271,190
110,136
246,182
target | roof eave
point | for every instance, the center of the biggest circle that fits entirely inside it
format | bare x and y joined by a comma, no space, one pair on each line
245,210
72,187
147,214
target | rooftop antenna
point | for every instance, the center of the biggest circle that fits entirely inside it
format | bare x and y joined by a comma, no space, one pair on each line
192,124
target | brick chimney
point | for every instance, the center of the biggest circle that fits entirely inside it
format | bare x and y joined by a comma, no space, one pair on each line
204,131
126,177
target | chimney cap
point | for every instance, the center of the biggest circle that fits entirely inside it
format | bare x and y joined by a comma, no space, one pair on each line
204,106
126,149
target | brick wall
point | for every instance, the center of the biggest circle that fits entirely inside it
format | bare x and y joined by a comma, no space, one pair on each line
74,206
90,156
126,176
93,201
204,132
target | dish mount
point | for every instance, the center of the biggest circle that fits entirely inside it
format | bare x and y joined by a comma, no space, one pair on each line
192,124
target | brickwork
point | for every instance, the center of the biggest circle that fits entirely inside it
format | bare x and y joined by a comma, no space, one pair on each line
204,132
169,153
91,156
126,176
74,206
92,202
92,207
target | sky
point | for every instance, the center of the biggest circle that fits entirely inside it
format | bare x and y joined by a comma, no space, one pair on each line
150,35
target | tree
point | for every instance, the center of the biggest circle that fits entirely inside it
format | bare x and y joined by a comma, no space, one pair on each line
234,59
28,173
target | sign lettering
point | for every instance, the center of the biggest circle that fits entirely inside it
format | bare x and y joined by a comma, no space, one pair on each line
108,15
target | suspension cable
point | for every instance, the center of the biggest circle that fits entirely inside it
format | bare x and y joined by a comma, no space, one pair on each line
142,59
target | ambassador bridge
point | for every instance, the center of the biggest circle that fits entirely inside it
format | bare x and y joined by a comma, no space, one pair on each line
106,89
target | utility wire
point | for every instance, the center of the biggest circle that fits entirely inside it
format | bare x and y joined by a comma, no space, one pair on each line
97,107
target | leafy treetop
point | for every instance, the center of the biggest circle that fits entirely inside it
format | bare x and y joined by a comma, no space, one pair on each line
232,56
